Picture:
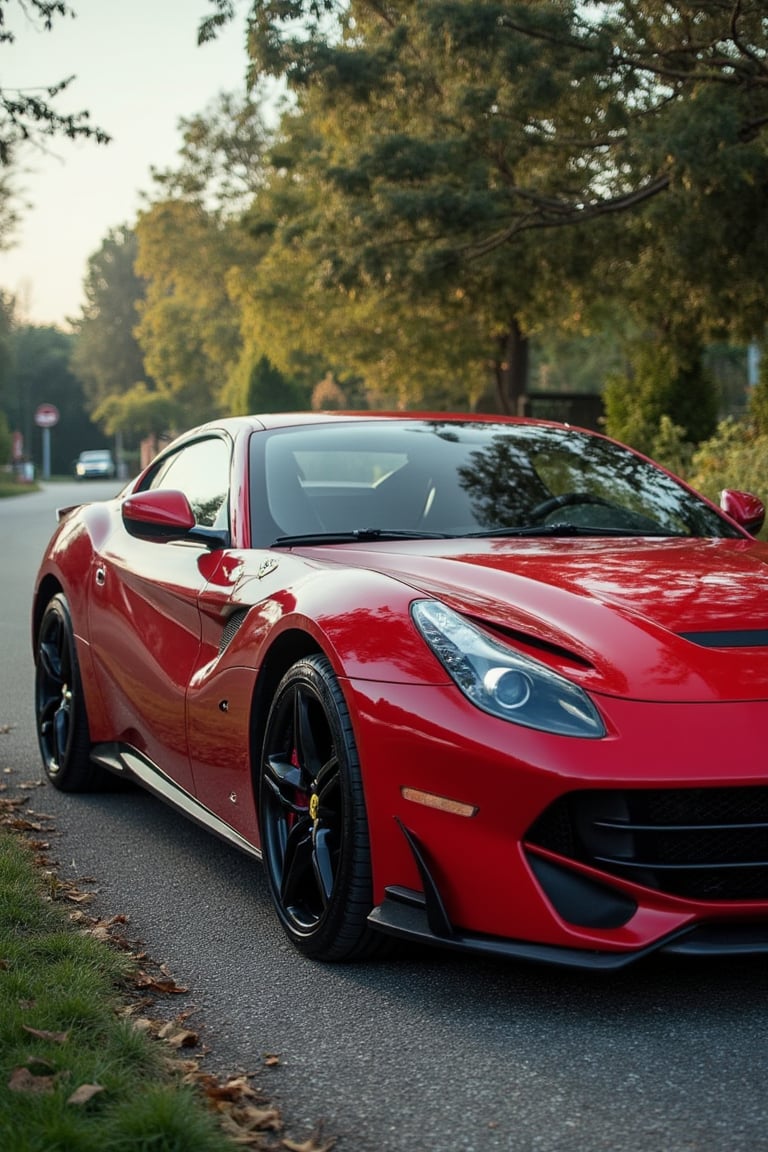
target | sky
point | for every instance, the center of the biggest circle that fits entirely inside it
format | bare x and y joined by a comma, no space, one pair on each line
138,71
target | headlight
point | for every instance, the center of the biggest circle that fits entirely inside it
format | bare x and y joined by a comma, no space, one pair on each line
502,682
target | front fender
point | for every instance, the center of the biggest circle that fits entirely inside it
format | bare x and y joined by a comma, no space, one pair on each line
360,619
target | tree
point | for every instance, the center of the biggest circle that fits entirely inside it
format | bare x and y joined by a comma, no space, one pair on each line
138,413
666,380
9,208
524,156
7,306
107,356
30,114
190,247
188,329
42,375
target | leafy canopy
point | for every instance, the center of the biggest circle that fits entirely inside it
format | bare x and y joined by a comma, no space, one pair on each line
30,114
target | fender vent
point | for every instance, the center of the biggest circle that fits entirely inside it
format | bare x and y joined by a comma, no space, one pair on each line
231,629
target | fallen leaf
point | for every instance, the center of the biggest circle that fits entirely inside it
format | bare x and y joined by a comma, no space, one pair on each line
271,1061
167,984
42,1034
310,1145
84,1093
235,1089
144,1025
39,1067
179,1037
260,1120
22,1080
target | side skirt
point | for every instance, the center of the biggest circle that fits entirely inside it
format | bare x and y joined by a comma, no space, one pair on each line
125,761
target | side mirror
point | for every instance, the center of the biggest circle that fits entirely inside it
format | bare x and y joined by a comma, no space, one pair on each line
747,510
165,514
161,514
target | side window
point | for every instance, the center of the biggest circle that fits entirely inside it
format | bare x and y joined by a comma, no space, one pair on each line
201,471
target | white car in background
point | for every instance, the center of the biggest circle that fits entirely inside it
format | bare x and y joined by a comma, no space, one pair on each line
96,464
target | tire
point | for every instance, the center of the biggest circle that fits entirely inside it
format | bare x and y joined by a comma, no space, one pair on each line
314,829
62,723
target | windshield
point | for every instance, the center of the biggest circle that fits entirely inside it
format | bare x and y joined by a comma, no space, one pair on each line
445,478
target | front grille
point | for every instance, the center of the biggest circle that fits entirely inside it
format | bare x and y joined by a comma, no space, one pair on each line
698,843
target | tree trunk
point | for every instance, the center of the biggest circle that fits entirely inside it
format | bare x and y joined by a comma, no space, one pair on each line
511,370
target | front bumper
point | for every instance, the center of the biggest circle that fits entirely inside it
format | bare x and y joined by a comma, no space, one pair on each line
484,872
404,914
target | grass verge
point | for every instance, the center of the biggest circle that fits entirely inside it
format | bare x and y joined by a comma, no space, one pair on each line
82,1067
10,486
75,1074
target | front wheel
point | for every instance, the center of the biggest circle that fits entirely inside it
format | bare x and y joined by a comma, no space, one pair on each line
62,723
314,830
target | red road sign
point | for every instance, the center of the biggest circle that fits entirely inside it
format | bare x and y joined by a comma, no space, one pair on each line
46,416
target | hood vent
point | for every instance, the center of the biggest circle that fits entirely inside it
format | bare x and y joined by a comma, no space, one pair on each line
733,638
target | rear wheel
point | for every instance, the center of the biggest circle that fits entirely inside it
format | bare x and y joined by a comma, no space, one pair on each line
62,723
314,830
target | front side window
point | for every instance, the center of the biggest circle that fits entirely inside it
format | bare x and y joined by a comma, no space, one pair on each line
201,471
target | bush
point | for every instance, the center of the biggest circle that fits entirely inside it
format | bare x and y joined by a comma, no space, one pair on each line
664,380
735,457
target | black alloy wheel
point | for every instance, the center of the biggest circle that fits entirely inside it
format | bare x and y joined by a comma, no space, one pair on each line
62,723
314,830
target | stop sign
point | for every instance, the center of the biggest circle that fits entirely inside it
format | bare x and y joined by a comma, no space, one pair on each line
46,416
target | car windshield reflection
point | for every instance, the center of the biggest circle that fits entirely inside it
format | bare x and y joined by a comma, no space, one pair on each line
366,479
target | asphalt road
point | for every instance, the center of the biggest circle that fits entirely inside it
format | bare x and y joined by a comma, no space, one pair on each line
424,1053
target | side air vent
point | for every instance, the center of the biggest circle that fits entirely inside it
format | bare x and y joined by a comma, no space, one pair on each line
231,629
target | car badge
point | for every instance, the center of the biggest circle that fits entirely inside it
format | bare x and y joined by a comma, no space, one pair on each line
314,806
265,568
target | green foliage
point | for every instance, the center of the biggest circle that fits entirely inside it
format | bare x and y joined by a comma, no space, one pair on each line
735,457
107,357
5,440
530,161
758,401
220,158
139,412
665,380
30,114
6,354
42,373
9,208
270,391
671,448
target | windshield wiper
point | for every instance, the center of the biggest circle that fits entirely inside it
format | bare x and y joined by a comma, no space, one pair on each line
564,528
357,536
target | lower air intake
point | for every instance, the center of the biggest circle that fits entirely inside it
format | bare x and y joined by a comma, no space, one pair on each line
698,843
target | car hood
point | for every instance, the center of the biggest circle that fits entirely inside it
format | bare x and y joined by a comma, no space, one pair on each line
650,619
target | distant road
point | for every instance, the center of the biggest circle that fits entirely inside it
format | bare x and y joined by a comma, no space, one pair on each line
427,1053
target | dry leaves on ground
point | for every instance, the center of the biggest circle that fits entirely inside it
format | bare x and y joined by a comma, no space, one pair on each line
248,1117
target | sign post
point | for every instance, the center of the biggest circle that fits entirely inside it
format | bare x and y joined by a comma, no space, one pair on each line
46,417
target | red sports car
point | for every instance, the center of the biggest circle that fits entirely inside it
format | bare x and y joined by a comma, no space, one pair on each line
495,684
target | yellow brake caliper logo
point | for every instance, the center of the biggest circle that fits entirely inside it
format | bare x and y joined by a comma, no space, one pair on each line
314,806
